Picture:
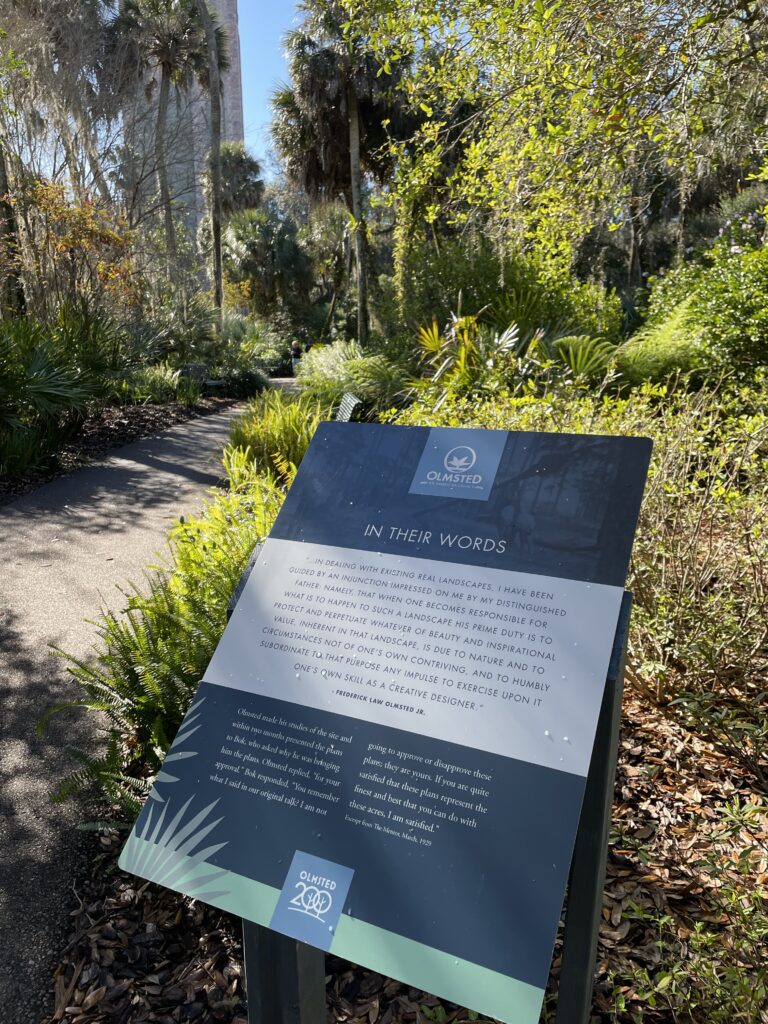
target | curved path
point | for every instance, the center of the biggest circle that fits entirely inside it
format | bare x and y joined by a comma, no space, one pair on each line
63,551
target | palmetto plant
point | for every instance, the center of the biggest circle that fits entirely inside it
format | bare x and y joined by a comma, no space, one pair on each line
587,358
42,392
466,354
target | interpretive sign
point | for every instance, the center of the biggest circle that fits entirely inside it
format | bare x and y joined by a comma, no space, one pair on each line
388,753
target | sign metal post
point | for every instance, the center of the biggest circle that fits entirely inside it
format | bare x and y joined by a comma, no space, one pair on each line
585,889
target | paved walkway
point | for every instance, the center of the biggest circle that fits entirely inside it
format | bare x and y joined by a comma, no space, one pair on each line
63,550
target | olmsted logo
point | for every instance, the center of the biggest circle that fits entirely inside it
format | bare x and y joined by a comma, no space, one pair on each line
312,899
461,470
456,465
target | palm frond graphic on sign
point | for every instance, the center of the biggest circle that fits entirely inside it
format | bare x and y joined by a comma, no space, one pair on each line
170,856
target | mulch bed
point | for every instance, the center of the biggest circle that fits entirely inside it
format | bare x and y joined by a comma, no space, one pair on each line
105,430
140,953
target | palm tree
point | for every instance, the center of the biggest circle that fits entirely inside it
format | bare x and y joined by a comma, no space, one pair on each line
242,187
328,125
171,44
217,62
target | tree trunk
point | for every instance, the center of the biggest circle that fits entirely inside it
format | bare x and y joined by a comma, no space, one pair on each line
11,291
361,242
162,172
329,318
214,87
94,162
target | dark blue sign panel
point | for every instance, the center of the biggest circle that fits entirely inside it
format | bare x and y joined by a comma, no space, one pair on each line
388,753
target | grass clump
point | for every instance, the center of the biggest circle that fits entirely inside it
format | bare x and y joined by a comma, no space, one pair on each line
277,429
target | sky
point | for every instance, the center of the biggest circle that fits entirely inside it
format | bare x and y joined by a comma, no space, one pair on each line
263,23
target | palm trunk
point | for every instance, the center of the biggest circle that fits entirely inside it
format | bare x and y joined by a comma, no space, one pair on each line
361,242
162,171
329,318
214,86
11,291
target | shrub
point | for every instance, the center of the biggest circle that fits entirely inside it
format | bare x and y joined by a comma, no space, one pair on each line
183,326
276,430
700,564
328,371
42,396
244,382
724,302
148,385
148,661
469,278
730,308
269,350
670,346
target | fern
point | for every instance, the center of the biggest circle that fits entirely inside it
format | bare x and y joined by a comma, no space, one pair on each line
149,659
105,774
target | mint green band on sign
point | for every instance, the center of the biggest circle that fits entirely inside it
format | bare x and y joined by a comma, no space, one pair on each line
413,963
458,981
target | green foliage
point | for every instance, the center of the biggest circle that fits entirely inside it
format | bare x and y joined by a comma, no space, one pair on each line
473,359
189,392
700,565
183,326
575,123
244,381
730,308
43,394
327,372
669,346
473,279
146,385
276,430
92,340
468,358
261,249
148,660
241,184
587,358
722,301
265,347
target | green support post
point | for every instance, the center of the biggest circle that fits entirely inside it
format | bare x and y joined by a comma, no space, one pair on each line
284,979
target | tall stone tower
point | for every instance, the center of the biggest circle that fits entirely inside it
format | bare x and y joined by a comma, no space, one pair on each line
233,82
187,132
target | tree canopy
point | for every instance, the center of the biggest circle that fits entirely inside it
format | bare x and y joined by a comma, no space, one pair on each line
577,105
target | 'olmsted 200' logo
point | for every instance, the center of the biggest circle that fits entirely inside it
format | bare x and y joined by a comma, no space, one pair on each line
312,899
459,463
314,896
